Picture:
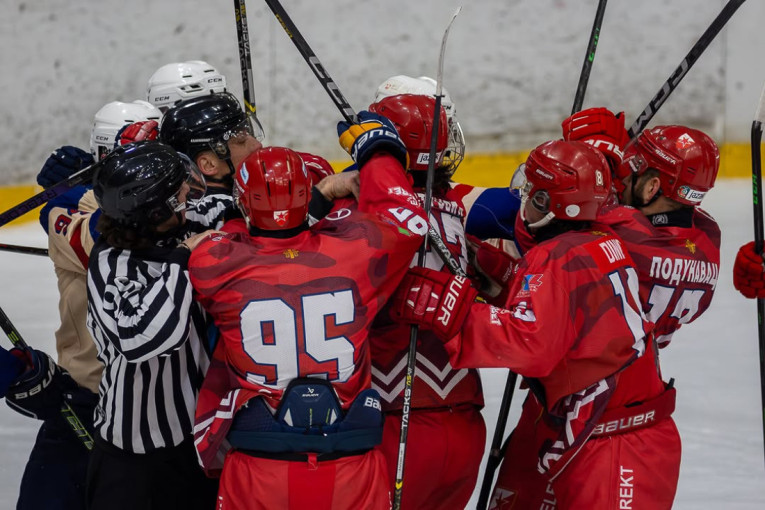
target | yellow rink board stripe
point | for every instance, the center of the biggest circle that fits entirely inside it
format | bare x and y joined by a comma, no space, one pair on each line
488,170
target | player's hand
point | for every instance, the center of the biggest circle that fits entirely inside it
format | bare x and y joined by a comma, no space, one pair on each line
340,185
40,391
61,164
600,128
494,266
749,272
433,300
193,241
137,131
373,133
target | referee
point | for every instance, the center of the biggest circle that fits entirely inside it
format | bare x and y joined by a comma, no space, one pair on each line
149,331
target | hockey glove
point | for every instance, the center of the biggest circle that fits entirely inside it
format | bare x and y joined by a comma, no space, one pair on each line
600,128
373,133
11,367
493,266
61,164
137,131
749,272
39,392
433,300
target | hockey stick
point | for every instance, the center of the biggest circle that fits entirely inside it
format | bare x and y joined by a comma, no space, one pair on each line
66,410
84,176
313,61
584,76
759,234
674,79
24,249
411,359
348,113
245,61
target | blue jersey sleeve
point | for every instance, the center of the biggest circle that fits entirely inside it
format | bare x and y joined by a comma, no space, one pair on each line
493,214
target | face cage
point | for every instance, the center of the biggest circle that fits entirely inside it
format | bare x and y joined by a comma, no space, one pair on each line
250,126
197,187
540,199
455,151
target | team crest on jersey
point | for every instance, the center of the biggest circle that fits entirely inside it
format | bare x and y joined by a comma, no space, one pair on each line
502,499
281,217
598,233
289,253
691,246
531,282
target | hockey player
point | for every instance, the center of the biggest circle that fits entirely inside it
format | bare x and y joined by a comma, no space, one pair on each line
749,272
574,362
665,173
54,476
149,332
446,402
217,135
289,387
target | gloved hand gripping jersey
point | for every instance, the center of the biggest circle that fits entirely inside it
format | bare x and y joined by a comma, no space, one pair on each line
309,419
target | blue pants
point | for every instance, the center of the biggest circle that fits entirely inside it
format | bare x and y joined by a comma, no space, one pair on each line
54,478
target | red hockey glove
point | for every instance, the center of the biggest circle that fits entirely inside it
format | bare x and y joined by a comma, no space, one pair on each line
137,131
602,129
494,266
433,300
318,167
748,272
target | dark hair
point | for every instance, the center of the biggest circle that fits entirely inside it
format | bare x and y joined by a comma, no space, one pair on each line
118,235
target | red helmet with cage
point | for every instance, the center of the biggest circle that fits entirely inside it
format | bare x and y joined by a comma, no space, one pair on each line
687,161
413,117
566,181
272,189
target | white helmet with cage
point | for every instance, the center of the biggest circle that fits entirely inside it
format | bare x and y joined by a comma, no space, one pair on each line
114,116
426,86
182,80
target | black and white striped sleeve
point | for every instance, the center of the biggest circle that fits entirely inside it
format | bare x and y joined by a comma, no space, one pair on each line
142,308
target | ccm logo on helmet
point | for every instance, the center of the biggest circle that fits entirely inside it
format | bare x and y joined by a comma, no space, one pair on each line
450,299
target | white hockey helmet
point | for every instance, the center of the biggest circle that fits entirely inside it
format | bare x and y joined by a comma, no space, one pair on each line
402,84
111,118
182,80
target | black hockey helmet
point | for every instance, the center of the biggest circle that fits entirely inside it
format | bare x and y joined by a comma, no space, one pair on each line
137,184
207,123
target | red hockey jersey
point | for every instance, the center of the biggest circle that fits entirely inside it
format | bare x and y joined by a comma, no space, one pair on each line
301,306
677,256
572,323
436,383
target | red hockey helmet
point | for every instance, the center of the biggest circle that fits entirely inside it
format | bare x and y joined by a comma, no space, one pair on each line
567,181
272,189
687,161
413,117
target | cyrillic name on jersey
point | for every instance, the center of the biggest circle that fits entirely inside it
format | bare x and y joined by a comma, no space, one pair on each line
677,269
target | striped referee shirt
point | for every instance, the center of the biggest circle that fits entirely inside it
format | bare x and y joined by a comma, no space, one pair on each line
151,337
